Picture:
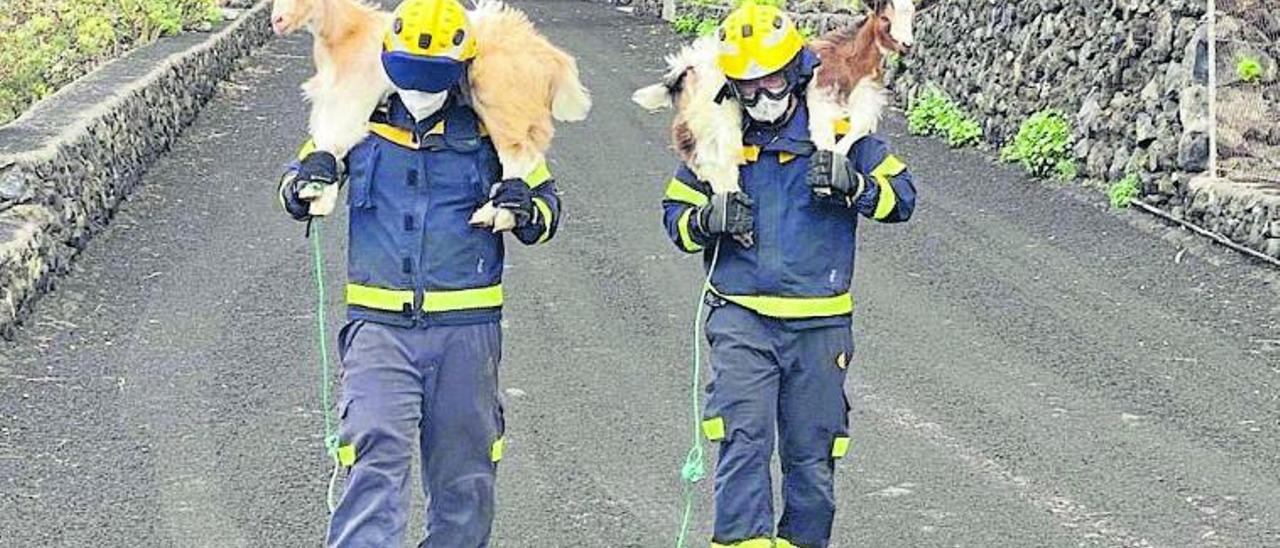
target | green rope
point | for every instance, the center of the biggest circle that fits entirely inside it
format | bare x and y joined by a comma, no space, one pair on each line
694,468
326,380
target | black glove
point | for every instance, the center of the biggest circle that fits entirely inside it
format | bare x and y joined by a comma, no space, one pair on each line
830,176
727,213
317,168
514,195
288,190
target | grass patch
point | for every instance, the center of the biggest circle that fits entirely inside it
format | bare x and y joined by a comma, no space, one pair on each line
48,43
1123,191
1043,145
933,113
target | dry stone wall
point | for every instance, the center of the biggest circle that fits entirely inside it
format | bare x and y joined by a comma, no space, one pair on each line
1131,75
66,165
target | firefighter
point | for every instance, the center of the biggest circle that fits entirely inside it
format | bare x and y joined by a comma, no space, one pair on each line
782,254
424,295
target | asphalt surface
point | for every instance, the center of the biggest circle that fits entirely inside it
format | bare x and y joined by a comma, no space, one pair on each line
1032,369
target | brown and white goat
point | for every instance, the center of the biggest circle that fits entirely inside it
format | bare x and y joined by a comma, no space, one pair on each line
519,81
706,134
849,84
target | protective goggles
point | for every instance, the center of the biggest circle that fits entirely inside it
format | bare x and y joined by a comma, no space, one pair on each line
775,86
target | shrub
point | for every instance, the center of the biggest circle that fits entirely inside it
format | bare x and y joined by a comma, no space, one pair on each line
933,113
1249,69
1123,191
1043,143
48,43
685,24
706,27
1066,169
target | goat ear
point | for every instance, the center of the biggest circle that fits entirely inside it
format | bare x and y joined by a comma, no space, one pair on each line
653,98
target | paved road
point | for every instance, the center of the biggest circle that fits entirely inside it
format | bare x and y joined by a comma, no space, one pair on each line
1033,369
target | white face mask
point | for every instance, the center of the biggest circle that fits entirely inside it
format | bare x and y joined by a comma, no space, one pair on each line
422,104
769,110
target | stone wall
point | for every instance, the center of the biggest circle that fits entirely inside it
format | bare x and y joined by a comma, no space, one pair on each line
1124,70
1131,75
67,164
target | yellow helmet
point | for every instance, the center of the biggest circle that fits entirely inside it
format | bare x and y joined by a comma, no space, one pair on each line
757,40
428,45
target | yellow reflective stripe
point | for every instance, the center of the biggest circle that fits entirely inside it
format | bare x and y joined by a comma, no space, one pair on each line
713,428
307,148
463,299
784,543
762,542
890,167
405,138
840,447
538,176
377,298
682,226
750,153
843,127
784,157
399,136
794,307
678,191
546,218
347,455
394,300
497,449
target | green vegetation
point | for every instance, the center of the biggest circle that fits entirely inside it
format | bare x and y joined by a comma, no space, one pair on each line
48,43
689,25
933,113
775,3
706,27
1066,169
1043,145
894,61
1249,69
685,24
1123,191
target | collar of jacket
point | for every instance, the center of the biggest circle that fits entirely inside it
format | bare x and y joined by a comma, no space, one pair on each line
791,137
462,129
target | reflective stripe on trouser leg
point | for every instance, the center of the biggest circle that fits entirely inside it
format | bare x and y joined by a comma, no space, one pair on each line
813,414
743,395
463,421
380,408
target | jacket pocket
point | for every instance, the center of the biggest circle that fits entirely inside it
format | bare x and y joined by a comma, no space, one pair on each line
362,163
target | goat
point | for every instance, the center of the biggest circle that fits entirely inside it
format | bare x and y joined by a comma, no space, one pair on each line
706,133
519,81
349,81
849,83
